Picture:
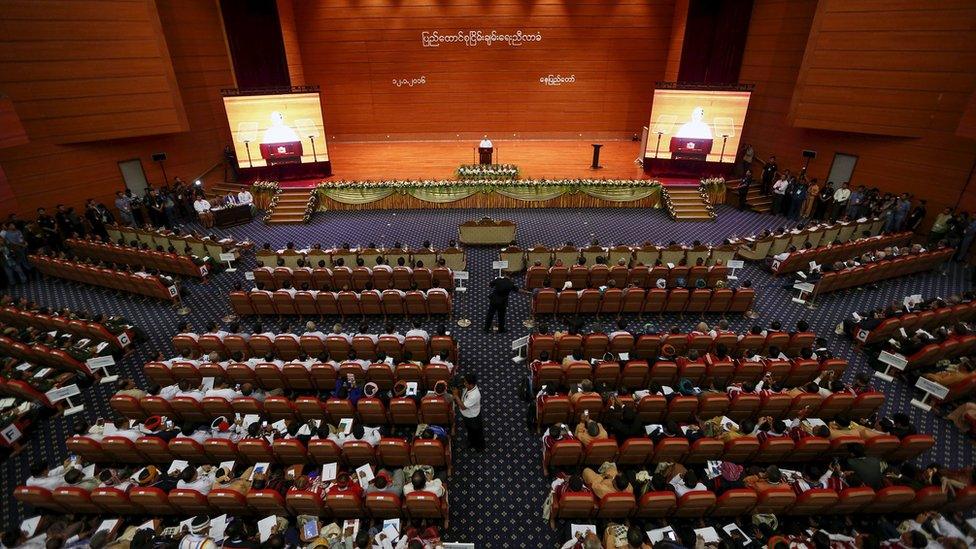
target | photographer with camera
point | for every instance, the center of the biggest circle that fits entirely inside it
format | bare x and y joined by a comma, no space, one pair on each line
468,402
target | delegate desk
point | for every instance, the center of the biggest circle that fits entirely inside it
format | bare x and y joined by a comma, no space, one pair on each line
486,232
232,215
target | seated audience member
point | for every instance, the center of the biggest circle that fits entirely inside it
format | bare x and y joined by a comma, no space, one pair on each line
424,481
588,430
201,480
606,481
765,480
869,469
686,482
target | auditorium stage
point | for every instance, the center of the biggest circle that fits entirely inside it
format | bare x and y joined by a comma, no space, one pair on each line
550,159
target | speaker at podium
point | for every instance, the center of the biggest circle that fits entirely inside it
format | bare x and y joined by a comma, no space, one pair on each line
485,150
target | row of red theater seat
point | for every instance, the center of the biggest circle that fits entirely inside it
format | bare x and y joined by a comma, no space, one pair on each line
117,280
881,270
548,301
39,353
345,303
640,276
357,278
636,374
368,410
635,452
185,503
16,388
746,501
928,320
390,452
46,323
953,347
454,257
112,253
295,377
684,409
595,345
825,255
965,387
286,348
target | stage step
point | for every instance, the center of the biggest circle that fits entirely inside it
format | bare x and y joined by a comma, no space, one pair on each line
757,201
686,203
291,206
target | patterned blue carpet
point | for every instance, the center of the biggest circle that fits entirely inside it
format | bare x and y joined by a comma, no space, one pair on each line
497,496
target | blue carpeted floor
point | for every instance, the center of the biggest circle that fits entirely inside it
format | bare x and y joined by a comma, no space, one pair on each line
496,497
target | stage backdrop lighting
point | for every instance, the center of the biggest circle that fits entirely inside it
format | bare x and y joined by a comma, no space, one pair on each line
696,124
276,129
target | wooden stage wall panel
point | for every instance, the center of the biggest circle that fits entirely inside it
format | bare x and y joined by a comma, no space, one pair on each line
86,71
903,72
356,49
934,166
42,173
440,159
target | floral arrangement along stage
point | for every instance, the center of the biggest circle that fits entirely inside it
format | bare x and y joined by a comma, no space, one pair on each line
713,189
266,186
713,183
487,185
310,206
266,195
488,171
445,191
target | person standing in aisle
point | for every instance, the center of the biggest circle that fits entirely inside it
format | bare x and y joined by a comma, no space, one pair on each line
469,404
498,301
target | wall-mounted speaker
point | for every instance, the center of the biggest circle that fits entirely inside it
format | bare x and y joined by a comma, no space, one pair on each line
807,153
158,157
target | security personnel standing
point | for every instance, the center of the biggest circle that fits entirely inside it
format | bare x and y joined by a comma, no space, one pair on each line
469,404
498,301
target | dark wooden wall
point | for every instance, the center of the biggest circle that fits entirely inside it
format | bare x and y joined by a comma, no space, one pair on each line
934,165
47,170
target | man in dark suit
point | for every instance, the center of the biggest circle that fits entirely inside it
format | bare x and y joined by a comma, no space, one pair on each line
768,174
498,301
744,189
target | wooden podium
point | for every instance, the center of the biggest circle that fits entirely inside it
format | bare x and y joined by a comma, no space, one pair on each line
484,155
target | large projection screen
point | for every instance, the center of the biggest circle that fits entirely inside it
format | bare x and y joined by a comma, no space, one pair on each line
696,124
277,129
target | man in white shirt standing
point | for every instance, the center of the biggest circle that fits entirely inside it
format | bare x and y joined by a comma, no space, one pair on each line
841,196
779,191
469,404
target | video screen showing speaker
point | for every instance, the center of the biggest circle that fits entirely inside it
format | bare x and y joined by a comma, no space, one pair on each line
271,130
701,125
